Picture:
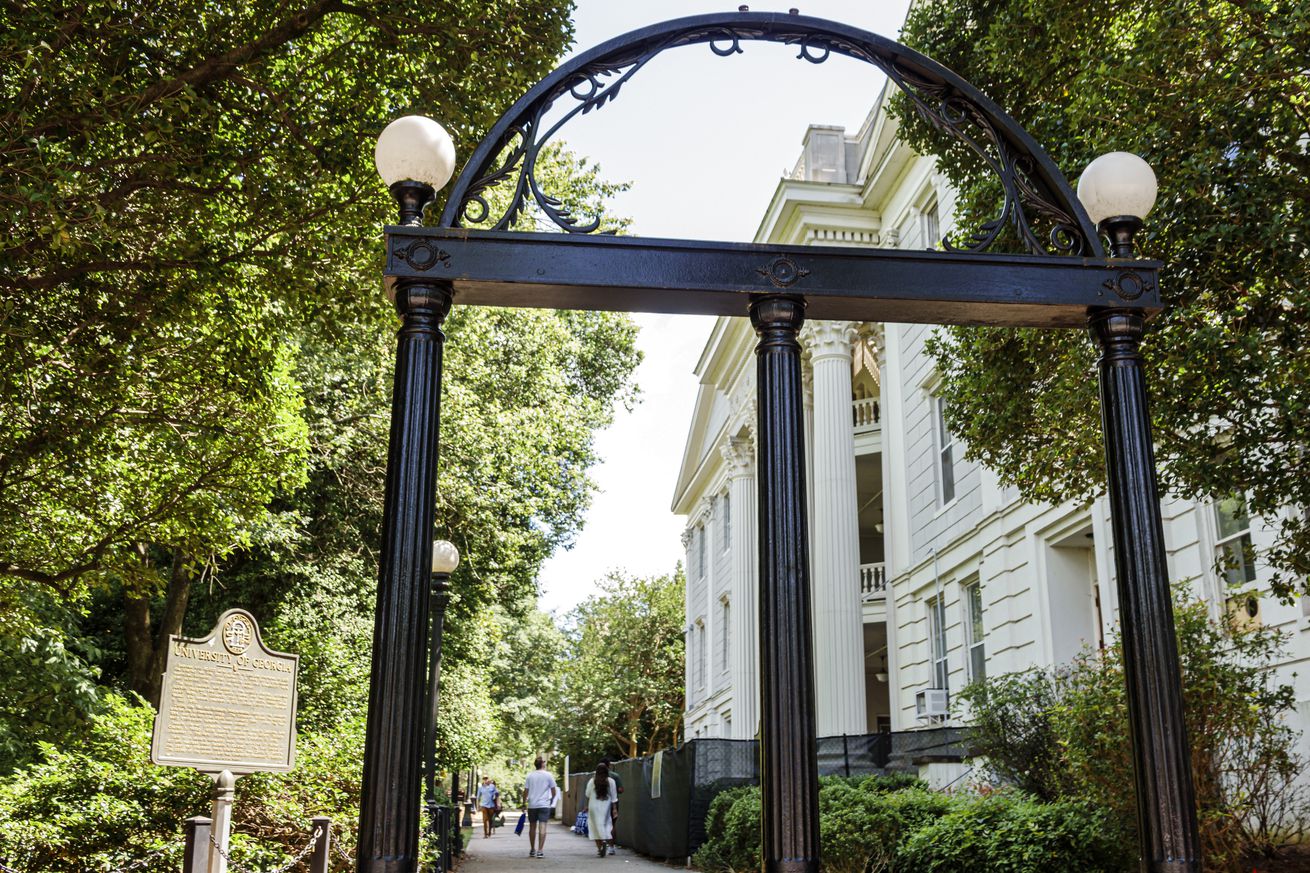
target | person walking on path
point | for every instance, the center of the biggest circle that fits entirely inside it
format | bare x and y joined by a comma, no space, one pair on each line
601,793
618,780
487,796
540,790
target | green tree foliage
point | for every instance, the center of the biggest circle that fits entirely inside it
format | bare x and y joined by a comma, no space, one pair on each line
526,658
1213,94
198,353
190,185
621,683
1075,747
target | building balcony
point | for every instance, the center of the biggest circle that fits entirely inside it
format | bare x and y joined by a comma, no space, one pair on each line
873,581
866,414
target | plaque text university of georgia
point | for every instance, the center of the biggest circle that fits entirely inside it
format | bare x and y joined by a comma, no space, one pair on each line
228,703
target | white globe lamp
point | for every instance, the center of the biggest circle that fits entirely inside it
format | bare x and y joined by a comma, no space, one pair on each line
445,557
1118,190
415,158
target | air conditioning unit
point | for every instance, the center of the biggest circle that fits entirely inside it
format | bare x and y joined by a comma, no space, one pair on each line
932,702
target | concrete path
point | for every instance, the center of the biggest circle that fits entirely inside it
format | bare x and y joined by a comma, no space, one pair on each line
506,853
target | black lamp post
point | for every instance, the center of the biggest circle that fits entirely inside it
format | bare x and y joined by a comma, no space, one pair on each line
1118,190
414,157
445,558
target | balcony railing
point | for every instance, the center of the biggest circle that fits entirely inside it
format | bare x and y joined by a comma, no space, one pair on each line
873,581
867,414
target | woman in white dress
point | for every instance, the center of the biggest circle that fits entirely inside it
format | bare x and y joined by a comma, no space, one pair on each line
601,792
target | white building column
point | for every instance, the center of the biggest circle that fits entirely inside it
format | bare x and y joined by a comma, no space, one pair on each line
744,672
835,536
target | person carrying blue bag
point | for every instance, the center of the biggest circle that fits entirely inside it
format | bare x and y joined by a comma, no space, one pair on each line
540,789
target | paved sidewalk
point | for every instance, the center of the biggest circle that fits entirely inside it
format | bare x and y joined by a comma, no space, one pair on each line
564,850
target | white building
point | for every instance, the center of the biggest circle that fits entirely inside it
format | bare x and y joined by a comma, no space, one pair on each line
926,573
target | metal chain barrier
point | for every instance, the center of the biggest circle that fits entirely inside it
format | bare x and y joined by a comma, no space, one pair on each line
341,850
304,853
6,869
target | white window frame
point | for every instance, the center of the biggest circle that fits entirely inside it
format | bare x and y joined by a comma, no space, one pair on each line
975,632
930,223
938,647
725,618
701,653
1223,545
943,456
726,522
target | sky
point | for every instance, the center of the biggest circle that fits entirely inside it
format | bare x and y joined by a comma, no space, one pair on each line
704,141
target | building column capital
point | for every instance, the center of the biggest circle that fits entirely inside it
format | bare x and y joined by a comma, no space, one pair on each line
829,339
739,452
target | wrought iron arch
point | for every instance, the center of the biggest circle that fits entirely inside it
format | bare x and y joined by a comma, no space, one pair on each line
1036,193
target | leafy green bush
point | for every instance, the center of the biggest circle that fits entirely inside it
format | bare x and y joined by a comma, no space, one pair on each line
883,824
98,802
1010,833
732,826
1011,729
1064,736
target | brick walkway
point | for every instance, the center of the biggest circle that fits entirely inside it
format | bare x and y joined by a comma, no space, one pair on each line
564,850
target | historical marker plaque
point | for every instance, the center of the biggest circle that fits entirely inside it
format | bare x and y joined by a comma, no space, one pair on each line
228,703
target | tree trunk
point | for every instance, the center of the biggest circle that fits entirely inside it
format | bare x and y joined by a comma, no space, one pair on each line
147,647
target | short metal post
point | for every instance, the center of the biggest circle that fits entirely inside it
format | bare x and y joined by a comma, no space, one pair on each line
319,858
393,744
195,857
1166,800
789,779
225,785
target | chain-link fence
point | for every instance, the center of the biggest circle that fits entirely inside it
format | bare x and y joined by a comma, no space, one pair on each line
664,805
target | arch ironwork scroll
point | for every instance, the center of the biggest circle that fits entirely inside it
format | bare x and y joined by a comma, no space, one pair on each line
1038,203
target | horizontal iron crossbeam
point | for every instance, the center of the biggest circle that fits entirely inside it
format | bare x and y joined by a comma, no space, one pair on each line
635,274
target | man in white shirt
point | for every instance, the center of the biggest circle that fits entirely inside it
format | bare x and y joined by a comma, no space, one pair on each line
540,789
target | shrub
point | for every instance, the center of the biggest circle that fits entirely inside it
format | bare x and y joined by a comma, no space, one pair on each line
1065,736
1011,833
98,803
732,826
1011,729
882,824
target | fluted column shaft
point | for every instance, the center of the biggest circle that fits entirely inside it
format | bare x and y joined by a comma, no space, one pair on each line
393,751
835,554
789,778
744,668
1166,800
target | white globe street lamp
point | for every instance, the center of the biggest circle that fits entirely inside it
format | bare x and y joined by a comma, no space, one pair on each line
416,158
445,558
1118,190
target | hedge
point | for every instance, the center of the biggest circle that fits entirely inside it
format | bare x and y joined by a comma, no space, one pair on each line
880,825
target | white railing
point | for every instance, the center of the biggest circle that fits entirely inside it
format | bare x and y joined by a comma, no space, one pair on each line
866,414
873,581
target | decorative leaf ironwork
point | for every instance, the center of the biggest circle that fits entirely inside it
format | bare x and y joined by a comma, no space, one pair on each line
1032,198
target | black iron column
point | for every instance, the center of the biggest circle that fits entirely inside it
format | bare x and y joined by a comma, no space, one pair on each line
393,750
789,780
1166,801
440,599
